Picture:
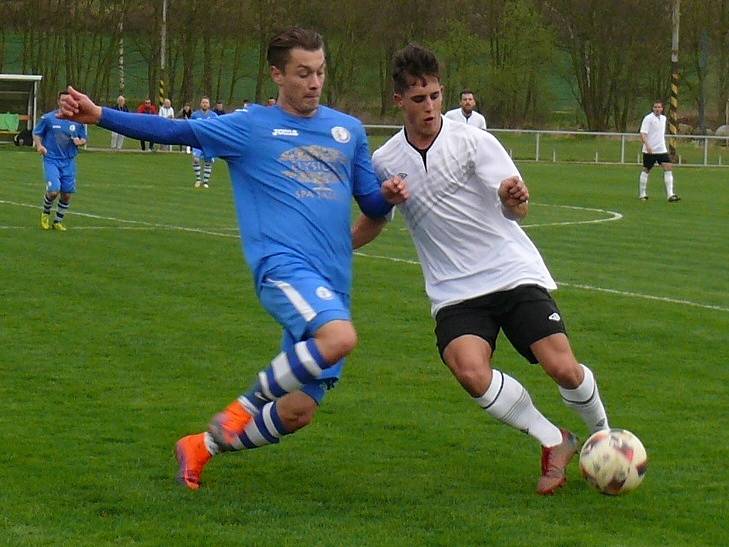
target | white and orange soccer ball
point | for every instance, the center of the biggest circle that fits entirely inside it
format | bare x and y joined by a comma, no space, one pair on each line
614,461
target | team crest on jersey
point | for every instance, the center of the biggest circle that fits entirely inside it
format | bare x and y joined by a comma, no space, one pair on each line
324,293
341,134
72,127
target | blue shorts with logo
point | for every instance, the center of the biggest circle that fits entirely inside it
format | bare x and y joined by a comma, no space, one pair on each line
60,175
302,301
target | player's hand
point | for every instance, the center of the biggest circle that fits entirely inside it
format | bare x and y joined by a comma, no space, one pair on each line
395,190
513,192
79,108
78,141
42,150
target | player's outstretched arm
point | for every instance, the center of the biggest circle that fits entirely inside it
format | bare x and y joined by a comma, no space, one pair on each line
514,197
78,107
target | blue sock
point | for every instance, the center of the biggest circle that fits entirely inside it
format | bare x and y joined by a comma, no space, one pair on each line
266,428
288,371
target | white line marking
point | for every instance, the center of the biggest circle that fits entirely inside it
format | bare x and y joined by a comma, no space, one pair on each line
152,225
126,221
579,286
614,215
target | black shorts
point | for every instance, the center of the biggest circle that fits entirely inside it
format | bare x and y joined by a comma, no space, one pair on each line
649,160
526,314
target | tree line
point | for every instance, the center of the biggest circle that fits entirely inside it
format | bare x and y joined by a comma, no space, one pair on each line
520,57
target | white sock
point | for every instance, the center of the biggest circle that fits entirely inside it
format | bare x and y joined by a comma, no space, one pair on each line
211,445
508,401
585,400
668,181
643,184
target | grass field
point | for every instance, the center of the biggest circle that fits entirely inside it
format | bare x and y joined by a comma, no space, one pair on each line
140,322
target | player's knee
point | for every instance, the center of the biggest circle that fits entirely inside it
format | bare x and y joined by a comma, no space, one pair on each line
565,370
336,340
52,195
473,374
297,416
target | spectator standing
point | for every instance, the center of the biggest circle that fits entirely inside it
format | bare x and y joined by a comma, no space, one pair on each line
117,139
147,108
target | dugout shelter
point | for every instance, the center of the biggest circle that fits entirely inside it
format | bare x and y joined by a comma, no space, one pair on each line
18,104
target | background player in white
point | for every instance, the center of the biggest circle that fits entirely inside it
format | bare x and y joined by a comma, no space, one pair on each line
201,162
466,113
482,273
295,168
653,137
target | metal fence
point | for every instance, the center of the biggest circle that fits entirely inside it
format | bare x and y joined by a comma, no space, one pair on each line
593,147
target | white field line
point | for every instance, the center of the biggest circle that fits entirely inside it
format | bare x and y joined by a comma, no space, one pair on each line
585,287
613,215
152,225
139,222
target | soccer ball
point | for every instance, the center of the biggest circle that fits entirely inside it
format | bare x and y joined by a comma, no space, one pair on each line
613,461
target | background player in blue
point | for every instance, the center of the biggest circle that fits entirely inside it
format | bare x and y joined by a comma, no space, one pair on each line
203,114
294,168
57,141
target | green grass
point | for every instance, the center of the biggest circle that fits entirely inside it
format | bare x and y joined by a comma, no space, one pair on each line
119,336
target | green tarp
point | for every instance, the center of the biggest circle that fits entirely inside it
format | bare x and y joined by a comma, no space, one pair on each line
9,122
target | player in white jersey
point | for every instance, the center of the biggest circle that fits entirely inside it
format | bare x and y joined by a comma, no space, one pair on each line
653,137
466,112
482,273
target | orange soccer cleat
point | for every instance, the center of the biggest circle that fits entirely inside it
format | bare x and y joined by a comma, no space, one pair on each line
227,426
192,455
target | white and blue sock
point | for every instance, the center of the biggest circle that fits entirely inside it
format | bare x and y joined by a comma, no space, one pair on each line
61,210
288,371
47,204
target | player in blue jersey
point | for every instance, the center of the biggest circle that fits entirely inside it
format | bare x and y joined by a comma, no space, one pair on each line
197,155
294,167
57,141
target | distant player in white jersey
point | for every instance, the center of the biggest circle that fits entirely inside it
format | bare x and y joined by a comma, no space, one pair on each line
653,137
466,113
482,273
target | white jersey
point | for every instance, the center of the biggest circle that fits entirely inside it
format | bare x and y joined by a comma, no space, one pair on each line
475,119
654,128
467,247
167,112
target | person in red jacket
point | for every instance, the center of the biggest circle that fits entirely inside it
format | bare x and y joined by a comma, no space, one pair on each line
147,107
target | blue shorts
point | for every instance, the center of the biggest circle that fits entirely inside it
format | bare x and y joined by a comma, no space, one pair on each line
302,302
197,153
60,175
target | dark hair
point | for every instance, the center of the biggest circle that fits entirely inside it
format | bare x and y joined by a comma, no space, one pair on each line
467,92
413,61
280,46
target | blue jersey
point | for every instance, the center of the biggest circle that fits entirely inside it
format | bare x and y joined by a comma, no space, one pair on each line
200,115
56,135
293,181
